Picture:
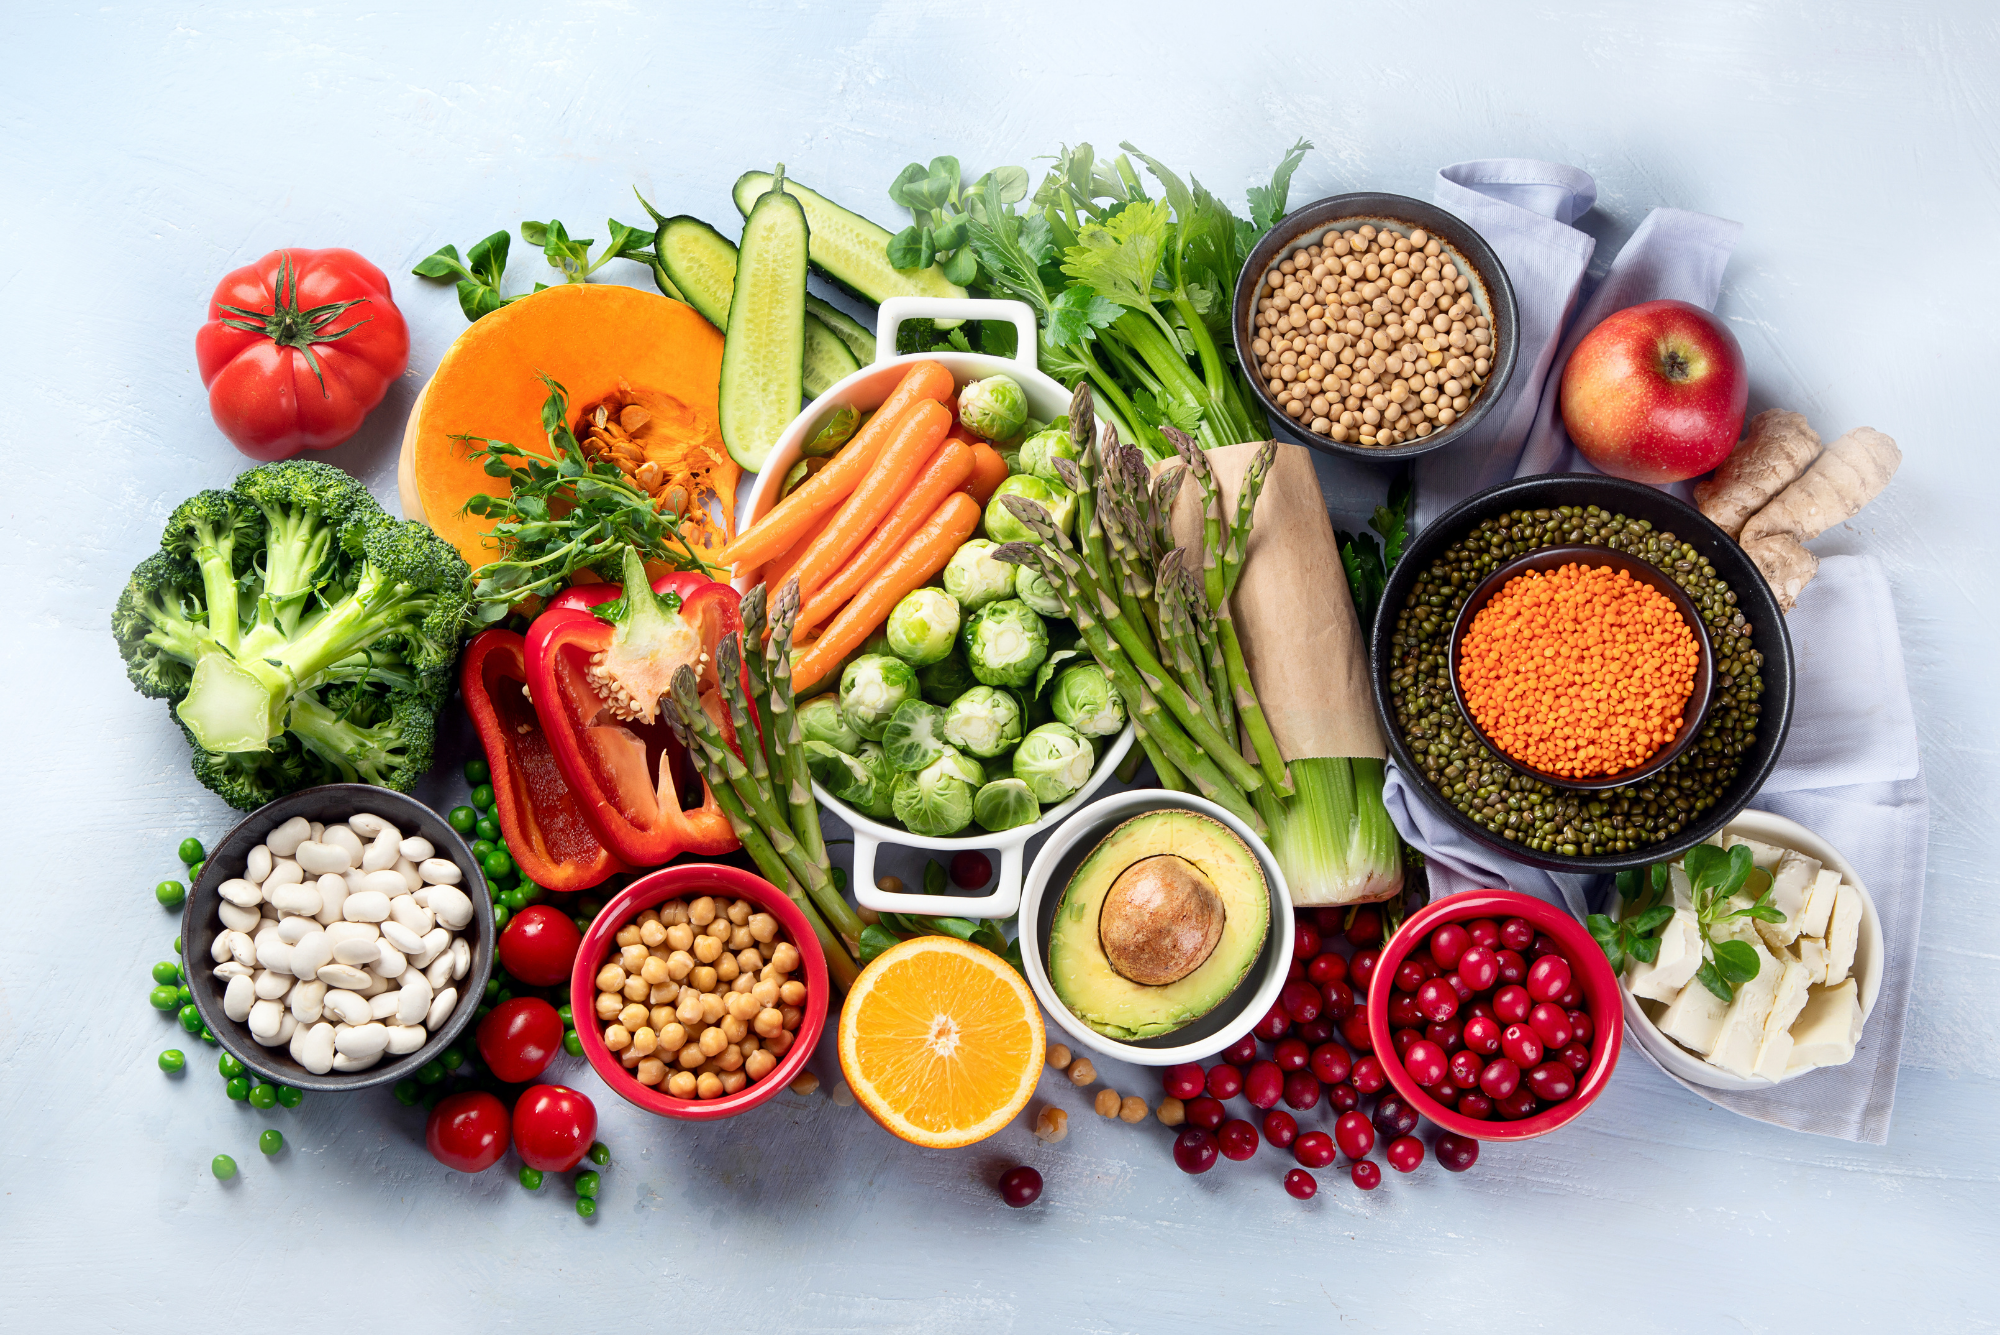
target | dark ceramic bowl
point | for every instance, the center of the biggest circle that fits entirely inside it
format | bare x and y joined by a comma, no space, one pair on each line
328,804
1667,514
1693,714
1490,288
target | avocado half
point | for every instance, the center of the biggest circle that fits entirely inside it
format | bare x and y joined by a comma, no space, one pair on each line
1171,897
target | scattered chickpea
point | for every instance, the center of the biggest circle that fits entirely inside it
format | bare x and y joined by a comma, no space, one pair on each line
1052,1125
1107,1103
1171,1112
1059,1057
843,1095
1081,1072
807,1082
890,885
1132,1109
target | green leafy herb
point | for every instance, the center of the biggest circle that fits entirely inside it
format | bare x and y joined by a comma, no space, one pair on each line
1368,561
485,264
940,230
1714,880
892,928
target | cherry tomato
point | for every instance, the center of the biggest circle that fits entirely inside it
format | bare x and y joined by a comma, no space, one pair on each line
467,1131
539,945
519,1038
553,1128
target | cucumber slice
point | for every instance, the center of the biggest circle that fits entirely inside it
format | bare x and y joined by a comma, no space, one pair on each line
701,262
850,250
860,339
763,347
666,284
827,357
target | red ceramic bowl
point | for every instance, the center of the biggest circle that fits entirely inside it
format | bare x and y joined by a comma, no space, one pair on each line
691,881
1587,964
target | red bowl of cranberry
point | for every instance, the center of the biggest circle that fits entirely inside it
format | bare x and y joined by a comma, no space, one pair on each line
1495,1015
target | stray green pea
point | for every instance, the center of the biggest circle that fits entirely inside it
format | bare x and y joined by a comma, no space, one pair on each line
171,894
191,851
165,998
209,1038
408,1092
585,1206
572,1044
482,797
600,1153
462,819
238,1089
532,891
433,1099
586,1183
531,1178
264,1097
481,847
582,923
840,879
223,1167
501,913
288,1097
191,1020
452,1057
477,771
516,899
228,1066
564,1013
430,1073
271,1140
497,863
184,994
590,908
488,829
178,952
173,1061
194,872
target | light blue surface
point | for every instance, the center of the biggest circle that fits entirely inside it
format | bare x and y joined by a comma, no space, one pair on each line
147,149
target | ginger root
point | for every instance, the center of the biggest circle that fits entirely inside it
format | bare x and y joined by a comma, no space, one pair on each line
1777,448
1851,473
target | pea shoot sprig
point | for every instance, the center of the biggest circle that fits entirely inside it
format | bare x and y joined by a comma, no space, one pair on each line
485,263
1714,880
891,928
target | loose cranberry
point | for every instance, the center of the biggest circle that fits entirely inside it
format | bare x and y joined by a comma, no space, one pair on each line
1552,1082
1580,1026
1425,1061
1548,978
1295,970
1263,1084
1575,1056
1518,1041
1484,932
1280,1128
1500,1078
1408,976
1314,1149
1550,1023
1242,1052
1327,968
1354,1029
1291,1054
1512,967
1205,1113
1020,1185
1511,1004
1482,1035
1300,1000
1330,1063
1353,1134
1301,1090
1365,1174
1448,943
1465,1069
1274,1024
1237,1139
1361,969
1184,1081
1544,945
1404,1154
1403,1012
1437,999
1571,999
1305,942
1476,1106
1366,929
1338,997
1521,1103
1314,1032
1224,1081
1456,1153
1301,1185
1450,1035
1343,1097
1368,1076
1195,1150
1331,921
1479,967
1394,1116
1404,1040
971,871
1460,986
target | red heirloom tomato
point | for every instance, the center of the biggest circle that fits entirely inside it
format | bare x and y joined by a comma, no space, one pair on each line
467,1131
519,1037
540,945
553,1128
297,349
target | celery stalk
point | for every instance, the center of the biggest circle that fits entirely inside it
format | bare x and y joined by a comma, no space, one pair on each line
1337,845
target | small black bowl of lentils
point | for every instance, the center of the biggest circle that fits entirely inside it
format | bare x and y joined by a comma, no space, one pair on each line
1523,818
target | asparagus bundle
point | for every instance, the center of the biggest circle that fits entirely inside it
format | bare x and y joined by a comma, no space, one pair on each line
752,753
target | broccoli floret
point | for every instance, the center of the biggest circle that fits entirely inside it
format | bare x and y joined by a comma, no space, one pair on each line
370,736
305,506
218,534
248,779
160,625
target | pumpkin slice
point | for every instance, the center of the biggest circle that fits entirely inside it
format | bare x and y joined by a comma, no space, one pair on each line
638,367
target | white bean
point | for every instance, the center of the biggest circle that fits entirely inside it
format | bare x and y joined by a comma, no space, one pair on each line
407,869
441,1007
287,1026
339,836
391,964
411,915
343,976
414,1001
273,953
369,825
308,1000
294,930
311,953
461,958
284,871
382,854
265,1018
320,859
387,884
237,918
366,906
285,840
345,1006
376,986
258,865
401,937
302,899
383,1005
332,896
297,1047
357,951
417,848
241,948
218,949
239,891
316,1052
436,940
438,972
231,969
344,1063
440,871
270,986
316,831
238,998
406,1038
362,1041
422,896
452,906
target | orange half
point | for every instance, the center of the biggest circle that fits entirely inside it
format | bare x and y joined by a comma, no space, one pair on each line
941,1041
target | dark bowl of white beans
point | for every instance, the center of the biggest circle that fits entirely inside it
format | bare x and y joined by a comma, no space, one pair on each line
272,1059
1375,326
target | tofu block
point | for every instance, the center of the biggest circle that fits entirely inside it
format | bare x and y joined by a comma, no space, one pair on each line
1790,884
1761,855
1694,1018
1826,1031
1776,1048
1812,955
1843,934
1743,1026
1679,957
1739,929
1680,888
1819,903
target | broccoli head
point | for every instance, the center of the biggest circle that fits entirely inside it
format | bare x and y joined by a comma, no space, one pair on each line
368,735
218,533
160,624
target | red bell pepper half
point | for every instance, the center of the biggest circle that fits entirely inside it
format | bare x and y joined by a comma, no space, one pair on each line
597,684
547,836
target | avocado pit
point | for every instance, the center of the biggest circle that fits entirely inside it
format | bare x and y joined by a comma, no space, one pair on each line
1161,920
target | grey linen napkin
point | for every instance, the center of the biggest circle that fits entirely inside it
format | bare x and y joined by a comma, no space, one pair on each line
1850,767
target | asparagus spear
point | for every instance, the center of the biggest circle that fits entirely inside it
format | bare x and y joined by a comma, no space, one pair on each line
783,722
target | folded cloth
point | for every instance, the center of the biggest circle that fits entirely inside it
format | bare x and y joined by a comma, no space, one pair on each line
1850,767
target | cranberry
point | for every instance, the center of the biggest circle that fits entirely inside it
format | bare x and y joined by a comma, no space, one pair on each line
1263,1084
1366,928
1204,1113
1479,967
1195,1150
1456,1153
1476,1106
1511,1004
1020,1185
1300,1000
971,871
1403,1012
1484,932
1521,1103
1330,1063
1544,945
1571,999
1361,969
1408,976
1550,1023
1482,1035
1404,1154
1365,1174
1512,967
1518,1041
1291,1054
1460,986
1331,921
1301,1090
1353,1134
1425,1061
1305,942
1575,1056
1184,1081
1314,1149
1301,1185
1426,965
1482,1008
1355,1030
1404,1040
1580,1026
1437,999
1224,1081
1500,1078
1339,999
1295,970
1314,1032
1242,1052
1548,978
1368,1075
1465,1069
1237,1139
1274,1024
1448,943
1552,1082
1517,934
1394,1116
1280,1128
1450,1035
1327,968
1343,1097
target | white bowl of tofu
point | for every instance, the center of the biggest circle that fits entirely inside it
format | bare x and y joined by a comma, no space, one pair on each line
1818,976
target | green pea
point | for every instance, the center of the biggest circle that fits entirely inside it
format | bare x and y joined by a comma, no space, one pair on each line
171,894
482,797
515,899
173,1061
194,872
223,1167
563,1012
191,851
184,994
191,1020
502,997
452,1057
532,891
165,998
178,952
600,1153
432,1099
430,1073
462,819
228,1066
208,1037
531,1178
840,879
271,1140
238,1089
497,863
590,908
500,916
289,1097
482,847
408,1092
582,923
264,1097
586,1206
481,1014
585,1183
477,771
488,829
572,1044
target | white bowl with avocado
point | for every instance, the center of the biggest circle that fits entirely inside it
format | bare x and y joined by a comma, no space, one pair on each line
1155,927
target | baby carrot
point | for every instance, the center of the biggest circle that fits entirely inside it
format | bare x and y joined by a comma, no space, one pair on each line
779,568
946,472
989,470
914,438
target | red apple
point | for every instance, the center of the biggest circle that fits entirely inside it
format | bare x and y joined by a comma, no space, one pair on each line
1656,393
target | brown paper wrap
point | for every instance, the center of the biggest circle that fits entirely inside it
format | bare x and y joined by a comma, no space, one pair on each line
1301,639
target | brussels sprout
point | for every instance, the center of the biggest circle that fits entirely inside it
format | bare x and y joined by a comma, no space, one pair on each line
923,626
1004,804
995,408
964,766
820,720
1058,500
1053,761
1005,642
1086,700
838,429
944,681
915,735
936,800
863,781
974,578
997,767
1032,587
1040,451
870,690
984,721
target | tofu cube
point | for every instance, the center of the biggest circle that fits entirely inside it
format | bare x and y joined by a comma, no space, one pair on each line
1738,929
1679,957
1826,1031
1743,1026
1680,888
1812,955
1694,1019
1776,1049
1790,884
1764,856
1819,903
1843,934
